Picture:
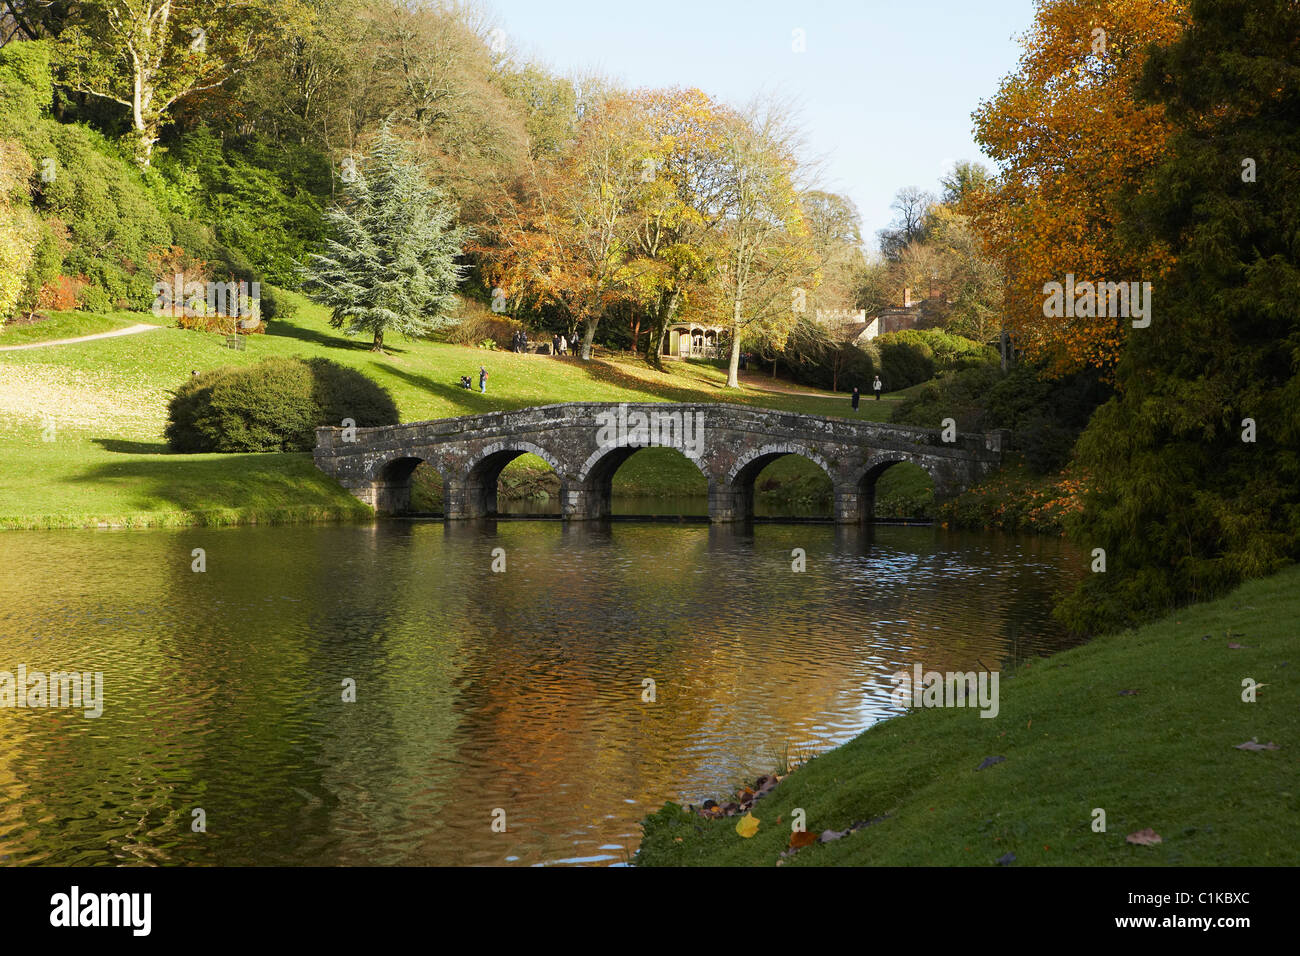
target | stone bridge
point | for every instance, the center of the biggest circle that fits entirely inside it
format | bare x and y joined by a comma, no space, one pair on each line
587,442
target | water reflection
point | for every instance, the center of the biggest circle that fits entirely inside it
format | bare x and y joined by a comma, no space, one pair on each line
475,690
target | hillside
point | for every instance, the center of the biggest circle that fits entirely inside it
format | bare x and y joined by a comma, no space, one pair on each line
107,398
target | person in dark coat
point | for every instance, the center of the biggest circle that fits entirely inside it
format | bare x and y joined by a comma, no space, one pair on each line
857,397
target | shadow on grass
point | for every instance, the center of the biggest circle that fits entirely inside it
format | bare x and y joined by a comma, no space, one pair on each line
251,484
468,401
286,329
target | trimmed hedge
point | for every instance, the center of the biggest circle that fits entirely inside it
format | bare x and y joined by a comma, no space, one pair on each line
274,405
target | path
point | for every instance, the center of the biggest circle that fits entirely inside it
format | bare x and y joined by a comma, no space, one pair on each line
129,330
763,382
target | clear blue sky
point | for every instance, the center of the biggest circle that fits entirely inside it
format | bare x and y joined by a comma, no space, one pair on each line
887,87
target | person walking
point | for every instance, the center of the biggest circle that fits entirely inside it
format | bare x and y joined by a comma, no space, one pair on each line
564,345
555,344
876,386
482,380
857,397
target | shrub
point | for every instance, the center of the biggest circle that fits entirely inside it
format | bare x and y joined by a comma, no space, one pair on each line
477,324
843,367
63,293
959,395
341,392
903,363
274,405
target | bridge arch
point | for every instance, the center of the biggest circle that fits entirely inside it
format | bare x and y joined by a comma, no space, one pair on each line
478,481
591,492
858,503
390,480
732,497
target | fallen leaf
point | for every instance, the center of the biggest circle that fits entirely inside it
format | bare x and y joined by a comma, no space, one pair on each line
747,826
1006,858
990,761
1253,744
829,835
1128,693
802,838
1147,837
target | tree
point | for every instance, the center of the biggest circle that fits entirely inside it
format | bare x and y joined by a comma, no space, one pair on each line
1067,133
677,208
913,206
148,55
964,179
969,281
392,262
767,260
595,195
1196,462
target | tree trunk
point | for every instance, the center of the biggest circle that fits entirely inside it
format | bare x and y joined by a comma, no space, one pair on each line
733,370
379,341
588,337
663,318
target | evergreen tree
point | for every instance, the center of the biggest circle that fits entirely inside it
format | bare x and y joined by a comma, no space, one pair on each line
1186,504
391,263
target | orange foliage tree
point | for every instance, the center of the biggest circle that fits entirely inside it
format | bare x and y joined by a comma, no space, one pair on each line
1068,134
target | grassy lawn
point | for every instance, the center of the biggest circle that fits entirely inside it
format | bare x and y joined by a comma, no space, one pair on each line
81,424
1163,757
70,325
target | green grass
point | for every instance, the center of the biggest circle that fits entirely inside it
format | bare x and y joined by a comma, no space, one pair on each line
70,325
103,405
1162,758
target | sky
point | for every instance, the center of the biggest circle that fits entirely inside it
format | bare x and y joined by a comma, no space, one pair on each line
885,88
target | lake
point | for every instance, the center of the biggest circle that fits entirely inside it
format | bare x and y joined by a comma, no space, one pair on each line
518,690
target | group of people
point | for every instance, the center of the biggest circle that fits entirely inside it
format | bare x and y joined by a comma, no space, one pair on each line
877,386
467,383
519,343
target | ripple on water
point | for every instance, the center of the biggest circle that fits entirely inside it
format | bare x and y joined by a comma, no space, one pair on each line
475,692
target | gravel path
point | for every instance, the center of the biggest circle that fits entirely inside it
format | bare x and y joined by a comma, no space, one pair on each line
129,330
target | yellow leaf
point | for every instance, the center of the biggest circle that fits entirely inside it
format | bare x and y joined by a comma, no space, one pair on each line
747,826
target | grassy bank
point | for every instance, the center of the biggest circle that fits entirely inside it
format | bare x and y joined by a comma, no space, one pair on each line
81,424
1144,725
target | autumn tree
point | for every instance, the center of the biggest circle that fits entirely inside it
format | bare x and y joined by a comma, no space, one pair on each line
1067,132
677,207
767,261
1196,461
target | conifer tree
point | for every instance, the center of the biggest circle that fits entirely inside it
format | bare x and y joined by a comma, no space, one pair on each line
390,264
1196,461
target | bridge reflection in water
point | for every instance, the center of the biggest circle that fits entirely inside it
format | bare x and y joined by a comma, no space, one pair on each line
585,443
